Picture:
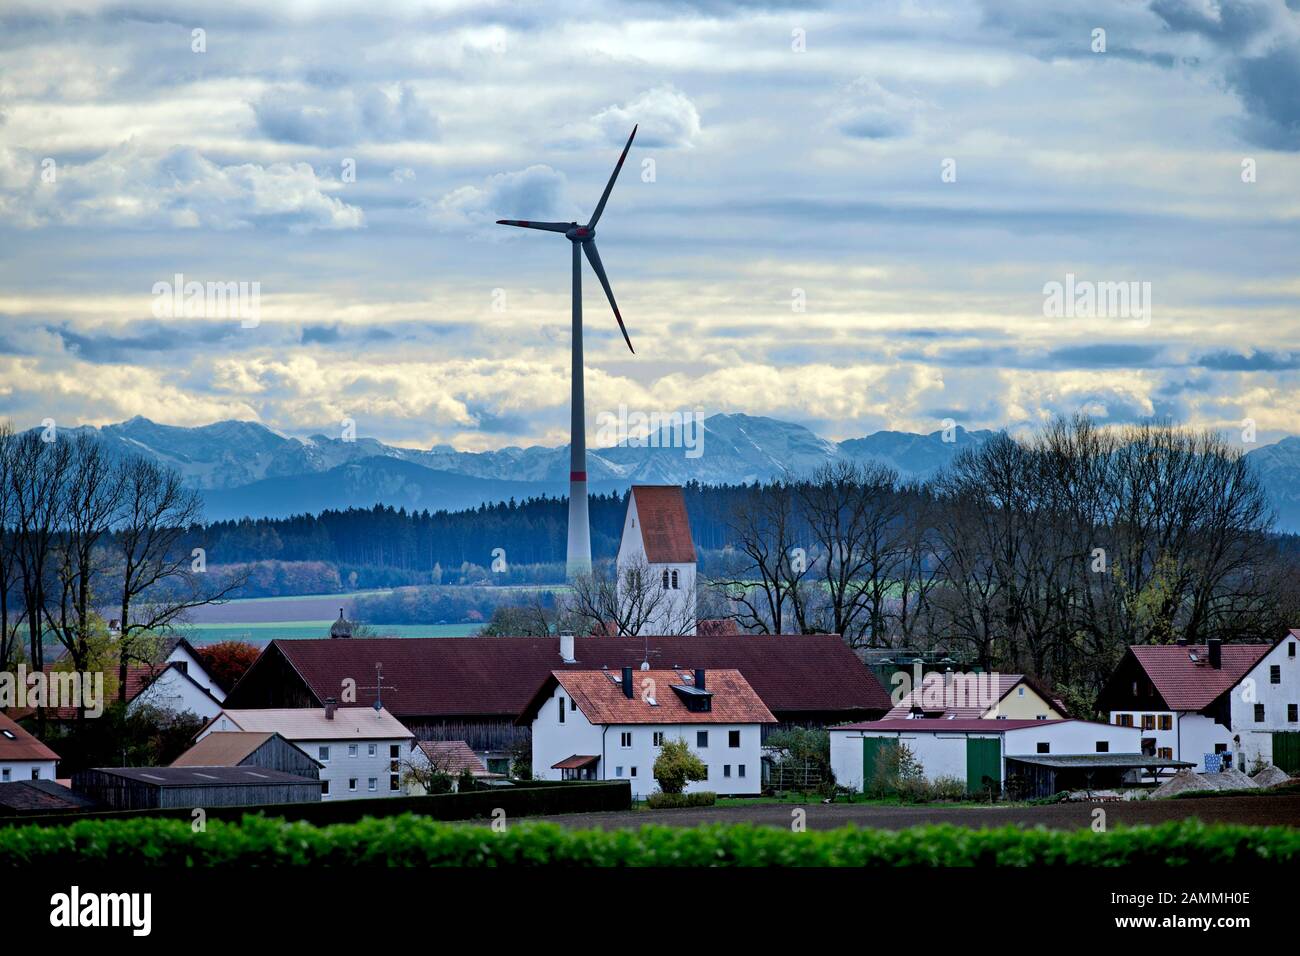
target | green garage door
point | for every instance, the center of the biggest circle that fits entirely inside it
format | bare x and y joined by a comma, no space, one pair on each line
983,764
1286,752
879,755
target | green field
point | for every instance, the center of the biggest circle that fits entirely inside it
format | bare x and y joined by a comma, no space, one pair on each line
291,630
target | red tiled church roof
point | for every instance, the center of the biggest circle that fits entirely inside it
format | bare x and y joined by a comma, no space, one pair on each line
665,529
443,677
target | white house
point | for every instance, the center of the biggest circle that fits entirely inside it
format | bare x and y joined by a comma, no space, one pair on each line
657,542
22,756
987,695
187,658
606,725
1206,703
1045,755
360,749
172,687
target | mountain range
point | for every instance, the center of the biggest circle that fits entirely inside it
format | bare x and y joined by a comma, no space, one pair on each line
245,469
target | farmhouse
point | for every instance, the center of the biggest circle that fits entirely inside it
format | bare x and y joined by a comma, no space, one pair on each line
606,725
1032,758
359,749
1207,703
452,757
474,688
990,696
657,543
22,756
156,788
265,749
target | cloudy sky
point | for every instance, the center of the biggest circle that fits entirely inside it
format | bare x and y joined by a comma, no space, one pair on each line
788,156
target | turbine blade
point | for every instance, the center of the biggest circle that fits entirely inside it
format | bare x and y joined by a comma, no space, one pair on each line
594,258
548,226
600,206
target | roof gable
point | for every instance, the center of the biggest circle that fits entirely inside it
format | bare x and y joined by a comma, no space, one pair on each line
1188,685
663,524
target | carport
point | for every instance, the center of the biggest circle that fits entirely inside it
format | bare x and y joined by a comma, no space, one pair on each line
1030,776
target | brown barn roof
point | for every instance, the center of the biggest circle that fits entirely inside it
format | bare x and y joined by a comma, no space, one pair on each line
40,796
453,756
18,744
444,677
1187,685
665,529
599,695
225,749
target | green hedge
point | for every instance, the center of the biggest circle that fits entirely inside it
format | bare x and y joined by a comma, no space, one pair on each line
411,841
676,801
531,799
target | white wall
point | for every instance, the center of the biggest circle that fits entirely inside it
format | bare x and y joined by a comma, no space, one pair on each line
1072,737
196,671
553,741
1254,739
173,691
676,613
12,771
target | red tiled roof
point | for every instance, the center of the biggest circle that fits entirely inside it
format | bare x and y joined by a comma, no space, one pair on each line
452,756
18,744
665,529
599,695
576,762
1185,685
496,676
954,702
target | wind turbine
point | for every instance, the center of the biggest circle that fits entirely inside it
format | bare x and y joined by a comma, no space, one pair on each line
584,238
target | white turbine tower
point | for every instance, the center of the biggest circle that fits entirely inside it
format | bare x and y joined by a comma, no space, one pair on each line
584,237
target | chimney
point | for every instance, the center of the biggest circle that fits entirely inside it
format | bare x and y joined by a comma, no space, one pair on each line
566,647
699,678
627,682
1215,647
330,704
1182,642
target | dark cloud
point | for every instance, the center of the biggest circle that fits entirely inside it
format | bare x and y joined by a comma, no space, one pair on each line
152,338
345,117
1260,361
1106,355
320,334
1269,87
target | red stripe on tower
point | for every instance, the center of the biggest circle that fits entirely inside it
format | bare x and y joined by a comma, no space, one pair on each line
577,476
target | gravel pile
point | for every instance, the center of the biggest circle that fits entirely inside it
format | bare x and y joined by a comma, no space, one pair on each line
1271,776
1185,780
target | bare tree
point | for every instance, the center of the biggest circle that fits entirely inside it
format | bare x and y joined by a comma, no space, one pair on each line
631,599
11,619
764,577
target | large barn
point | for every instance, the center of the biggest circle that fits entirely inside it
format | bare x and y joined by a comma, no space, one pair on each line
473,689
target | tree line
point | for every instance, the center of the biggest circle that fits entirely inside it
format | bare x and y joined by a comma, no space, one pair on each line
85,536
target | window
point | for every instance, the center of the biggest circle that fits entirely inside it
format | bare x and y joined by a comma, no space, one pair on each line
1275,674
634,771
1020,692
372,750
1044,748
1166,721
665,579
1103,746
1220,748
1041,717
323,753
372,784
573,705
733,738
36,773
394,785
1148,721
352,750
1259,713
8,734
561,710
395,751
1124,720
4,774
352,784
324,788
658,738
701,738
675,579
618,771
726,770
1291,713
740,770
1290,649
625,740
1165,753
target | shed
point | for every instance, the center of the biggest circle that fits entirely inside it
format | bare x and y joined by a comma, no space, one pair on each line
154,788
265,749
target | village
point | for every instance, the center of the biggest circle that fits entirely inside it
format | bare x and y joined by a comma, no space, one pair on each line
353,718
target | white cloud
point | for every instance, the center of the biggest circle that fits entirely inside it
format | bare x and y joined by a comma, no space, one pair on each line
537,192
